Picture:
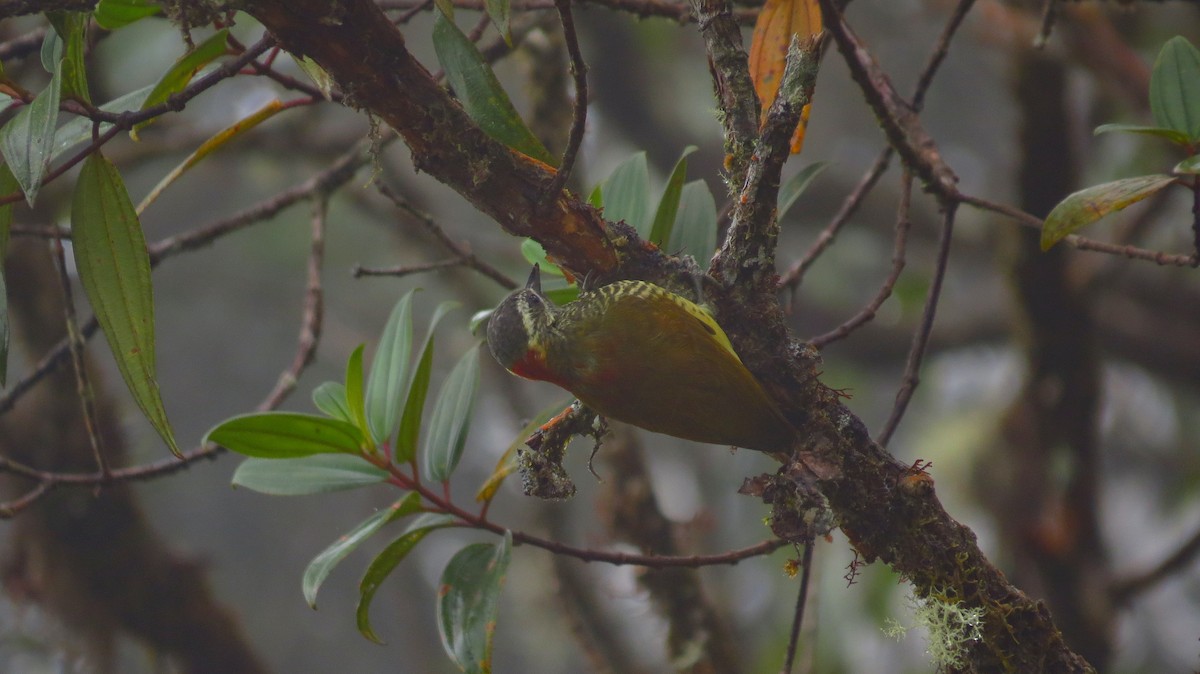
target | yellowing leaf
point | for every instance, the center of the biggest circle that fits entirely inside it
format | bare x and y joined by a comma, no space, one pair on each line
211,145
1089,205
777,22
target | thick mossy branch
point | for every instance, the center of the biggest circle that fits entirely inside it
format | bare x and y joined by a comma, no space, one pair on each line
888,510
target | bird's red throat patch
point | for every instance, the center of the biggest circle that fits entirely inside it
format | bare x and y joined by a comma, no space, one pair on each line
533,366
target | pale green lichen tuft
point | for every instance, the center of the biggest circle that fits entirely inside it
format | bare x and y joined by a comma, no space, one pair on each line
953,628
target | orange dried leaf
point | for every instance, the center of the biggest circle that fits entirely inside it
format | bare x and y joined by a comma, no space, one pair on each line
778,21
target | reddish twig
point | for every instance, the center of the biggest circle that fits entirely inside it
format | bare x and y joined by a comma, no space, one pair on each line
801,601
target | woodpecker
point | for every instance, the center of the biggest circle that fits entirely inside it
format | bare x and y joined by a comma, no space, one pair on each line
638,353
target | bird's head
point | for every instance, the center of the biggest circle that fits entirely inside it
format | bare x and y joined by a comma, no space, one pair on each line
518,327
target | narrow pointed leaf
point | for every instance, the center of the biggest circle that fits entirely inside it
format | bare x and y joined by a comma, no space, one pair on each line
383,565
114,14
695,230
114,268
627,194
389,372
451,419
596,198
499,11
286,435
469,603
319,568
668,205
314,474
330,398
1087,206
70,27
211,145
1170,134
793,188
355,402
480,92
181,73
418,389
508,461
28,138
1190,165
315,73
1175,88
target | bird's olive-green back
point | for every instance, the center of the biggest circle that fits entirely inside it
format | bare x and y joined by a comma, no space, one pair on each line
640,354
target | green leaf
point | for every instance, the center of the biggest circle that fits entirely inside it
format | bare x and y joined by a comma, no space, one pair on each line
418,389
1170,134
330,398
79,129
286,435
72,28
1087,206
52,51
499,11
319,568
564,295
480,92
28,138
1190,165
174,80
1175,88
793,188
114,14
381,567
389,372
114,268
355,402
668,205
314,474
451,419
695,230
315,73
533,253
627,194
469,603
596,198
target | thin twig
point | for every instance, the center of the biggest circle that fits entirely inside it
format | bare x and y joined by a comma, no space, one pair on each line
124,121
579,112
1079,242
406,270
310,324
1123,589
1049,17
941,48
463,253
903,224
792,277
83,385
916,353
801,599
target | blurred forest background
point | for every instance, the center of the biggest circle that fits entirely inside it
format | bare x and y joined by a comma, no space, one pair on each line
1091,505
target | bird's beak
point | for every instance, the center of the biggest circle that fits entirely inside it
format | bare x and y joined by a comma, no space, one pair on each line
535,280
